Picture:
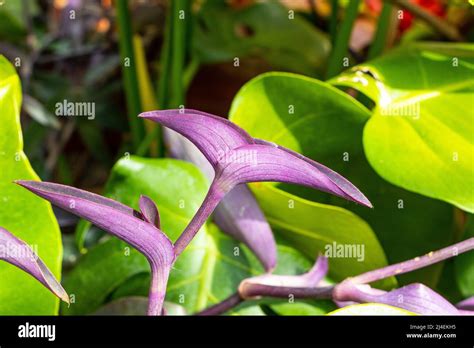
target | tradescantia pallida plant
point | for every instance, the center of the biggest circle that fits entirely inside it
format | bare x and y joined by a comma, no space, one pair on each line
16,252
237,159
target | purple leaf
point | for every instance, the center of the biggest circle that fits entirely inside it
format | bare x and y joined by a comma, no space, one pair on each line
15,251
250,287
149,210
417,298
238,158
467,304
121,221
238,214
213,135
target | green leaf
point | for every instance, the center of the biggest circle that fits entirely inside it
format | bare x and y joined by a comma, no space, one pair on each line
98,273
464,264
262,29
24,214
323,123
421,134
371,309
12,26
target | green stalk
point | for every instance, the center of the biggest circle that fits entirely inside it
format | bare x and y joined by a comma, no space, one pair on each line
132,93
380,39
178,52
333,20
342,39
165,60
189,74
173,80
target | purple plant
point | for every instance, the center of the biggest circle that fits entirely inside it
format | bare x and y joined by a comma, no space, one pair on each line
238,214
236,159
416,298
139,229
15,251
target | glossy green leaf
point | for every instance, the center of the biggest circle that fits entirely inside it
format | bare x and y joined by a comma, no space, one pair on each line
323,123
464,264
371,309
262,29
421,134
25,215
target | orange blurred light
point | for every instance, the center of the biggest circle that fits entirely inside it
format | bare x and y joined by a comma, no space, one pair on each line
102,25
60,4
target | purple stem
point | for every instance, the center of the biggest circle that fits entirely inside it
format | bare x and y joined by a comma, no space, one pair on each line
249,290
416,263
222,307
156,295
212,199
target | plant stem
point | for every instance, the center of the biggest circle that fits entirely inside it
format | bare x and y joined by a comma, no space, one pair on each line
156,295
132,93
212,199
178,51
253,290
222,307
190,72
333,20
249,290
380,39
147,98
436,23
416,263
165,59
343,36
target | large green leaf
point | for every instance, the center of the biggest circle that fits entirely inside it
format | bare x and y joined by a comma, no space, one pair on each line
464,264
371,309
263,29
25,215
421,134
321,122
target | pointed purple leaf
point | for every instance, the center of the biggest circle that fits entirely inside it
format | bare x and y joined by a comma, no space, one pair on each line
254,163
213,135
238,158
149,210
345,188
467,304
121,221
15,251
239,215
417,298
